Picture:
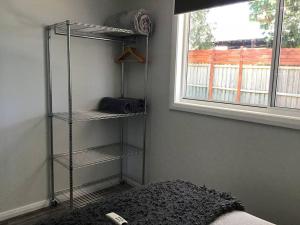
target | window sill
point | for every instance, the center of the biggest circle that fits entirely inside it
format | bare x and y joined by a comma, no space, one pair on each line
274,117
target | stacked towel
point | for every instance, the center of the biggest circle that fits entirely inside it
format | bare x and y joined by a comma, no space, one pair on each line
140,21
121,105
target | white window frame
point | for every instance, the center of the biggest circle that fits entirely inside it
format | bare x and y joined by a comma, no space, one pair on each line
282,117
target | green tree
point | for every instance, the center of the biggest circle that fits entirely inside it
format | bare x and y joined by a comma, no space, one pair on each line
201,36
263,11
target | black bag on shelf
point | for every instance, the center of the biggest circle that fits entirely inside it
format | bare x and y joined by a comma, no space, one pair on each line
121,105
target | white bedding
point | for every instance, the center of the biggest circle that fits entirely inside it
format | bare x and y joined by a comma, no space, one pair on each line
239,218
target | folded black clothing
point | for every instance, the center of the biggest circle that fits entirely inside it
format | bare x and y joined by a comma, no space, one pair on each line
121,105
136,105
114,105
165,203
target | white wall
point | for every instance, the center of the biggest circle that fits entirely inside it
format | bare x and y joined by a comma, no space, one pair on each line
23,133
259,164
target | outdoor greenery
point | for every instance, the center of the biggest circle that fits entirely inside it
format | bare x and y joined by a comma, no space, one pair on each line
201,36
263,11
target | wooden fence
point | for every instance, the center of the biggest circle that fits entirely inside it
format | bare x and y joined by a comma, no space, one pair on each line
252,56
242,75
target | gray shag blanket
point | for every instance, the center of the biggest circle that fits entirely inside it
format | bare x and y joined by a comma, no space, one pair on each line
166,203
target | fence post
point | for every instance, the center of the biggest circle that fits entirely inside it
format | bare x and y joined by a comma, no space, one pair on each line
211,75
240,78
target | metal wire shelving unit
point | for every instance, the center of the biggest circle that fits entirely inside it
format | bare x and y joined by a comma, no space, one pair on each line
76,159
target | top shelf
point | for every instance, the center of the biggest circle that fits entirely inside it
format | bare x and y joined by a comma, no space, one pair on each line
94,31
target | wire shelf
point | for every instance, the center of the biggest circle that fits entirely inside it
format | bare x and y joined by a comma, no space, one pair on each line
93,31
93,115
85,194
97,155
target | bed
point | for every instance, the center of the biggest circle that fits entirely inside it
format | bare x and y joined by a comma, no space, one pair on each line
165,203
239,218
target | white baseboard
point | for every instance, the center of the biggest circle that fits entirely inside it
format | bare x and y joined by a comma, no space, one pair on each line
45,203
132,181
23,210
102,185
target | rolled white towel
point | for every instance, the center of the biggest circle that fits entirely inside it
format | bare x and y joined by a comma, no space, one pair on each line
139,21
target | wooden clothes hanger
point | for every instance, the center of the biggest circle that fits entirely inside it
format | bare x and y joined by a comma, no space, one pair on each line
129,51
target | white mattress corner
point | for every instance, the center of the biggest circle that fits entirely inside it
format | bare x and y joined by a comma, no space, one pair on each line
239,218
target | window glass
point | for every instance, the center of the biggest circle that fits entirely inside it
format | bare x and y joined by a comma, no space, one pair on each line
230,53
288,83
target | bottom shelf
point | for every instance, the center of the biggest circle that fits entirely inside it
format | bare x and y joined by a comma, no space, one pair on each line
88,194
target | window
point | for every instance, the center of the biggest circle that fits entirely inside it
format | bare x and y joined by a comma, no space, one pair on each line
229,56
288,81
243,56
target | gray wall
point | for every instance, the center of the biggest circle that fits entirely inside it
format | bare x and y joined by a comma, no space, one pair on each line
23,134
259,164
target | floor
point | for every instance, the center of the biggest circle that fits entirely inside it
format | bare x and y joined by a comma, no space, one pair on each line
34,217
